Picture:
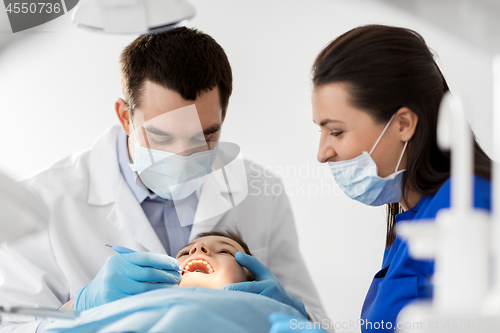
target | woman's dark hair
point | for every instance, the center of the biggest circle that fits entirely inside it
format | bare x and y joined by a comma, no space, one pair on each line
384,69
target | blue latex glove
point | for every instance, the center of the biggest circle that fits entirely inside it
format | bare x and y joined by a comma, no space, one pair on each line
286,324
128,274
265,283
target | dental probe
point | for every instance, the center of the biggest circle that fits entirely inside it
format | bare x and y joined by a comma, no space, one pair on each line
40,312
121,250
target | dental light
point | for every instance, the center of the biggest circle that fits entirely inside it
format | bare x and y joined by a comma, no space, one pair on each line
132,16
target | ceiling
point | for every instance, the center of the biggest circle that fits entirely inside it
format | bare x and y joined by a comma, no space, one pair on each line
476,21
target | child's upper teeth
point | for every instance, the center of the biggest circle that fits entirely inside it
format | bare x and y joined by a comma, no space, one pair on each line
198,261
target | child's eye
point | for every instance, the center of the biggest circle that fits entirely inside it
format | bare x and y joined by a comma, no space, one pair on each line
182,254
226,251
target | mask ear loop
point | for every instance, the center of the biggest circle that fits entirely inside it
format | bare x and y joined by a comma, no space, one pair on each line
135,137
133,129
381,135
401,157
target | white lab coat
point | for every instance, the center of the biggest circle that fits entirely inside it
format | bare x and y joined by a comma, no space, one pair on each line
91,205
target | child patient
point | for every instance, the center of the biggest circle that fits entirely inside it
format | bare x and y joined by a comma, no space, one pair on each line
210,260
211,264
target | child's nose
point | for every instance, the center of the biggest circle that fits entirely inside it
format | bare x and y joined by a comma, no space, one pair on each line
199,248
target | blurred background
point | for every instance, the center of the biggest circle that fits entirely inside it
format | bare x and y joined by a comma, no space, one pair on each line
58,85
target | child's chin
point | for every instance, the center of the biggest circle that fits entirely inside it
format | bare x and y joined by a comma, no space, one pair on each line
198,280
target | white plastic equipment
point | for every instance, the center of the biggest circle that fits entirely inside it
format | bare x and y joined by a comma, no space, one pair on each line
132,16
463,241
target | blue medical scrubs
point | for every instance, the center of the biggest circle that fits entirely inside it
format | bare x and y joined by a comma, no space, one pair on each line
403,279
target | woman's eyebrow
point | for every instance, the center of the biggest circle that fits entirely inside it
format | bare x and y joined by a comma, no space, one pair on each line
327,121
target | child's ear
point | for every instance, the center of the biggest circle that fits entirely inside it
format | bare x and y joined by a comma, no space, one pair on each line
250,276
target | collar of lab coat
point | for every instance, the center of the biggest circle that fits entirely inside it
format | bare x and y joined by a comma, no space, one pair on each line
107,185
215,200
105,173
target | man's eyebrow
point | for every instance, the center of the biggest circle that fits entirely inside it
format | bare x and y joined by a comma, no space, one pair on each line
327,121
207,131
212,129
155,130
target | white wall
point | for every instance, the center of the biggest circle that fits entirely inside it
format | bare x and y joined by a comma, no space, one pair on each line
58,87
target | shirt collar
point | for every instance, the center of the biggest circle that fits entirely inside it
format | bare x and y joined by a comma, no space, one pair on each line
140,191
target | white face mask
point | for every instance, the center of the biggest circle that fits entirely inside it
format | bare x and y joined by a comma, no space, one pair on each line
359,179
172,176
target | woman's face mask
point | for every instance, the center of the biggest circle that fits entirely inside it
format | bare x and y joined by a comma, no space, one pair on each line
345,132
359,178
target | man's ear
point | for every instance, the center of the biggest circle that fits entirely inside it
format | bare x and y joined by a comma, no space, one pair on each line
123,114
407,121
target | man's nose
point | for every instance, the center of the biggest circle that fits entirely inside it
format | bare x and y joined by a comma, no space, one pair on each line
199,248
187,148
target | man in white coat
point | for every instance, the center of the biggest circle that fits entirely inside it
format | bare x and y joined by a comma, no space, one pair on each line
96,198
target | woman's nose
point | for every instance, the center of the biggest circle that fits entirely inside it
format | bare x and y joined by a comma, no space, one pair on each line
325,150
199,248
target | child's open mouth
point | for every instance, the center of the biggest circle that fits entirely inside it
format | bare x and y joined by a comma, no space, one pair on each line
198,266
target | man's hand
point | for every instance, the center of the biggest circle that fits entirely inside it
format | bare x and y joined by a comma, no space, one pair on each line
128,274
265,283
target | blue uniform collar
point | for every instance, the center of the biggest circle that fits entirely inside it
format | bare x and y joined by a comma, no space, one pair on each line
410,213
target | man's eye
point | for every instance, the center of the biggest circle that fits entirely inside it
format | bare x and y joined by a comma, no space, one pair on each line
160,142
203,138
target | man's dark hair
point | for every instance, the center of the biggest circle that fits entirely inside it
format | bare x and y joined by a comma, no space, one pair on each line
184,60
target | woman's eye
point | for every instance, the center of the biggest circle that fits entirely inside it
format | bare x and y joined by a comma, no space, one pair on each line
336,133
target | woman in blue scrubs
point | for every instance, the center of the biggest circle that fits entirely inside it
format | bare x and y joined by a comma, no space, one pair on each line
376,96
377,91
